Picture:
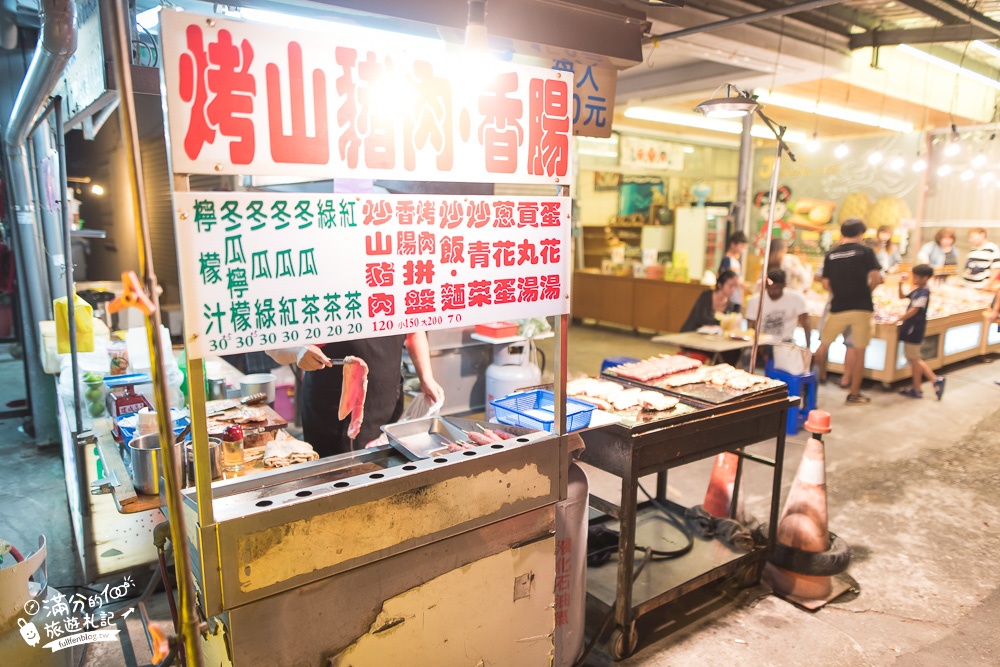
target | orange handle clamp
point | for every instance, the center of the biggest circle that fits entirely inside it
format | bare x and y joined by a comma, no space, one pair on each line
134,296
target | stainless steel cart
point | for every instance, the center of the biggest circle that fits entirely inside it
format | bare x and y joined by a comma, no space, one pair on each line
701,431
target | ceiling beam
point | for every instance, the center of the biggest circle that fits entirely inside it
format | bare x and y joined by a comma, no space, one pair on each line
941,34
749,18
964,14
943,16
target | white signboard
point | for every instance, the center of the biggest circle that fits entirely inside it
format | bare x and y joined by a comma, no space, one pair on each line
651,153
248,98
262,271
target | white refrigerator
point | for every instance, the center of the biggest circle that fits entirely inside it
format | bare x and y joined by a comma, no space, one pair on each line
700,231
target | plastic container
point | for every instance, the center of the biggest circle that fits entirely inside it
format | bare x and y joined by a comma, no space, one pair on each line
497,329
535,409
284,400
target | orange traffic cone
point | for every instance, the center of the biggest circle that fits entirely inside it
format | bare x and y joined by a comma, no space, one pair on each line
719,497
803,530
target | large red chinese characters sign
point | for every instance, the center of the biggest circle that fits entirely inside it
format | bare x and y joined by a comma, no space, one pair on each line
244,98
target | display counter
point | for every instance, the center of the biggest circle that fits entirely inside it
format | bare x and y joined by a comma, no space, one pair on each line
637,303
956,331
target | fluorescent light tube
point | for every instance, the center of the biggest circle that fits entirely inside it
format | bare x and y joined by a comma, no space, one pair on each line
832,111
986,48
703,123
951,67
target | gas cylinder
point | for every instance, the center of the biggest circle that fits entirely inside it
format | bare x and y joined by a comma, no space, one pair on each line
513,368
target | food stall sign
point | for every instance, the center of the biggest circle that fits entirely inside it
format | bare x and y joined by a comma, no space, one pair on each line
593,97
247,98
260,271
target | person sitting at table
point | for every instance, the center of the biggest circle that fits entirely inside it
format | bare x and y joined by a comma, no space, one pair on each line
941,251
708,311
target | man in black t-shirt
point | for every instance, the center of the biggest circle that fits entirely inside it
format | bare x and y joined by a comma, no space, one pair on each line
850,272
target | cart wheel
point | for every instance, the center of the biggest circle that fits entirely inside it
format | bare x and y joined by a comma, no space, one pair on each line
619,651
748,575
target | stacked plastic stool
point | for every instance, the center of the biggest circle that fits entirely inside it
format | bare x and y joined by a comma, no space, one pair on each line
804,386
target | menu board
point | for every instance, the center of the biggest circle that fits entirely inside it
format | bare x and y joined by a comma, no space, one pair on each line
260,271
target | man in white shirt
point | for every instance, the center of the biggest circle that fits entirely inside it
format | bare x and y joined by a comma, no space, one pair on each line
784,309
982,261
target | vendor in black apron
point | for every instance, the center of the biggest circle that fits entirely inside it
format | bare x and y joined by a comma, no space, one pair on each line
319,398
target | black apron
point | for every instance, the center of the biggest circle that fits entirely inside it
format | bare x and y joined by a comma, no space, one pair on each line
320,395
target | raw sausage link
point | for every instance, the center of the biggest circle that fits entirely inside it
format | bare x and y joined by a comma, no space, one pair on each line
479,438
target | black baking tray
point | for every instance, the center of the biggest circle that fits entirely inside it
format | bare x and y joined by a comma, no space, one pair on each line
703,391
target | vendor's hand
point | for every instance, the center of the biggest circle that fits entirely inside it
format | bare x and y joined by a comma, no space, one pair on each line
311,358
432,390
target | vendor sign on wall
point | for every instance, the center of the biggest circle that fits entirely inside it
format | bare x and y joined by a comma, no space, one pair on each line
261,271
246,98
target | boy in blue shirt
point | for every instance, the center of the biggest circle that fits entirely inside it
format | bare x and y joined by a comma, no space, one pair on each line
912,325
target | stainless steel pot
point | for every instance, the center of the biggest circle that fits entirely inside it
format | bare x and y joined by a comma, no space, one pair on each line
214,459
146,463
258,383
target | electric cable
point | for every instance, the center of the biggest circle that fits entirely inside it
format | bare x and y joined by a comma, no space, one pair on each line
647,556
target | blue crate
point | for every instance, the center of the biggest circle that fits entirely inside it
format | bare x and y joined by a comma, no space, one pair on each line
530,409
617,361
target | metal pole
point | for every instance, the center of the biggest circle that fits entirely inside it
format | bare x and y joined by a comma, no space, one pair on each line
53,252
70,292
767,247
741,217
189,626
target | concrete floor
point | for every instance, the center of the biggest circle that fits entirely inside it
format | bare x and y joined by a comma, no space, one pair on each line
912,487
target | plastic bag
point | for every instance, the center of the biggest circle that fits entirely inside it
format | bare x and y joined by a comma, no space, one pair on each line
83,313
792,359
419,408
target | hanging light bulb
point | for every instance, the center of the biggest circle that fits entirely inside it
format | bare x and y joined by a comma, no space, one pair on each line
967,175
987,177
951,150
920,164
979,161
944,170
813,145
897,163
875,158
841,151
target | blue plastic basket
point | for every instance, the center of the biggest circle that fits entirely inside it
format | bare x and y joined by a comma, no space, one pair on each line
535,409
128,432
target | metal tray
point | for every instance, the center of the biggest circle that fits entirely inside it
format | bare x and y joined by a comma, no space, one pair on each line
701,391
427,438
423,438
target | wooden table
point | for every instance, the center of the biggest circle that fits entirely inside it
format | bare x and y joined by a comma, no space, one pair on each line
711,344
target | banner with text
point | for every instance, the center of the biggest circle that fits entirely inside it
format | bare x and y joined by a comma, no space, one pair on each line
348,102
261,271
